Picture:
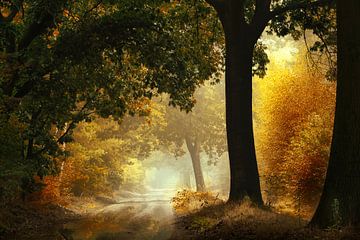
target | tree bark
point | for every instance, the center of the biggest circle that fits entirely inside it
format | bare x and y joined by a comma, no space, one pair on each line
340,202
194,150
239,124
240,39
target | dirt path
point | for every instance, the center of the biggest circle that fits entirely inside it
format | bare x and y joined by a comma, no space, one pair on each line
133,216
142,216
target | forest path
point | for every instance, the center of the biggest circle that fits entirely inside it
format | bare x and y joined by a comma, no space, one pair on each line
136,216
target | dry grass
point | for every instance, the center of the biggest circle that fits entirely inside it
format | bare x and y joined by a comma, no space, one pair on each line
245,221
188,201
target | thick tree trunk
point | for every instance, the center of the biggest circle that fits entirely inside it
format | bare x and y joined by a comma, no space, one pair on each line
240,40
194,149
238,78
340,201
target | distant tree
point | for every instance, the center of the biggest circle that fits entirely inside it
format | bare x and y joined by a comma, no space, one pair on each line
243,23
106,156
200,131
340,201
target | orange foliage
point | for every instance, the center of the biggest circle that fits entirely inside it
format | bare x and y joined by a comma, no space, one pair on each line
187,201
51,192
294,117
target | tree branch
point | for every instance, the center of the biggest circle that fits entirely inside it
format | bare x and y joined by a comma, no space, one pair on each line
35,29
298,5
260,20
61,139
46,20
74,121
93,7
219,5
262,6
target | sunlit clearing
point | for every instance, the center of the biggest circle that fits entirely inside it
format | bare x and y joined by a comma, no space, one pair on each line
280,50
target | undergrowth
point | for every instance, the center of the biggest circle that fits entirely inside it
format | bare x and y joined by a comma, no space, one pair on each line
187,201
247,221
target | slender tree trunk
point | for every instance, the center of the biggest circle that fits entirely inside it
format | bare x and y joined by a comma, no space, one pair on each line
194,149
186,182
340,201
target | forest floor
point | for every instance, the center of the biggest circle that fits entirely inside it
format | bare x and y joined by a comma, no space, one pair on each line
37,220
235,221
33,221
86,219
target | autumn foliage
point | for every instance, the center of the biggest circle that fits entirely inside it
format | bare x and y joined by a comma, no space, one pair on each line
187,201
294,119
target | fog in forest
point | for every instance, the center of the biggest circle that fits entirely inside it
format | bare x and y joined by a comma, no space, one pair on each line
125,136
114,122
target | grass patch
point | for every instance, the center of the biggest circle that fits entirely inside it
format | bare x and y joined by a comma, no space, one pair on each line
246,221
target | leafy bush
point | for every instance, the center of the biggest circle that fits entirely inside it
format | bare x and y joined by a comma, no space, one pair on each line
187,201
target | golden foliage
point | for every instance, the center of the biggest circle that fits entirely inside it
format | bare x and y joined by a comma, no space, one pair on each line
294,116
187,201
106,155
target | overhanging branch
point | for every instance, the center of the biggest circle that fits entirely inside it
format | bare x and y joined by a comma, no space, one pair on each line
93,7
298,5
47,20
35,29
74,121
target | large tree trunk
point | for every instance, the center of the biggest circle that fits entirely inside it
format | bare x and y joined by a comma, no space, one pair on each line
240,42
194,149
240,39
239,124
340,201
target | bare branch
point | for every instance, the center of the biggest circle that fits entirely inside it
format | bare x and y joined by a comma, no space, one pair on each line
93,7
298,5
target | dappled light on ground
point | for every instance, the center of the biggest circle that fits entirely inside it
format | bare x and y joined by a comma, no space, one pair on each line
147,215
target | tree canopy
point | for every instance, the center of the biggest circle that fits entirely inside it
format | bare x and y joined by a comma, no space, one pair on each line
64,62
